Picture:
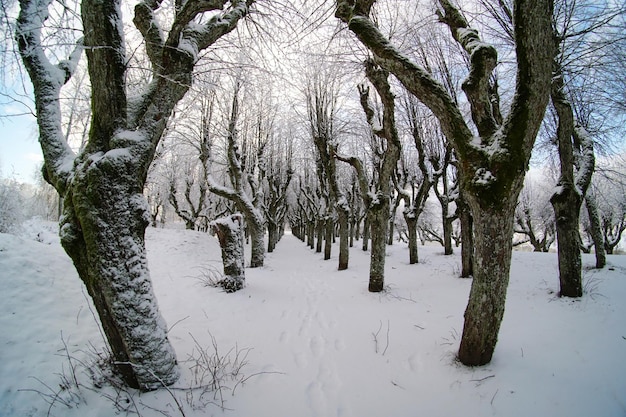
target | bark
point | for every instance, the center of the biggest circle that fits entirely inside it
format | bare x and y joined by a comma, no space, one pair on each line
379,214
229,231
566,203
104,236
492,261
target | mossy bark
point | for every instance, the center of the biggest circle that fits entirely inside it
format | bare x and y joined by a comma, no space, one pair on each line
492,261
102,230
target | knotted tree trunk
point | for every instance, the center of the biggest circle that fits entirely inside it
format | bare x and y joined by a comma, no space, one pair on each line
229,231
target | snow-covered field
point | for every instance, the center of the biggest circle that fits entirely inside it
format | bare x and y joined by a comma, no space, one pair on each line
306,340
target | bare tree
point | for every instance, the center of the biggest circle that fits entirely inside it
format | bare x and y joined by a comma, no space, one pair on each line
105,213
533,217
321,104
378,201
492,163
249,203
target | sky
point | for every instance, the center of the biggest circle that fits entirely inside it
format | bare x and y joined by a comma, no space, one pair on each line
20,154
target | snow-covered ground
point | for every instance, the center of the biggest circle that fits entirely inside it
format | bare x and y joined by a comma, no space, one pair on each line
306,340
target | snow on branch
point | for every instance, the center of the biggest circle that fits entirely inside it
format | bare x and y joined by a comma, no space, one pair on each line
47,81
585,158
150,30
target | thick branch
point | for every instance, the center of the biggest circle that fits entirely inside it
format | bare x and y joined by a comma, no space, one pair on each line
106,61
415,79
149,28
47,81
585,160
483,60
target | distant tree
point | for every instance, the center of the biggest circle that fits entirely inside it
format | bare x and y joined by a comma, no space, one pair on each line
378,200
243,190
533,217
610,191
11,205
322,109
276,173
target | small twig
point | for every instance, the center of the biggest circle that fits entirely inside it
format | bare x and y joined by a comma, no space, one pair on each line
375,335
397,385
494,396
387,345
69,359
478,381
172,326
180,407
419,327
244,380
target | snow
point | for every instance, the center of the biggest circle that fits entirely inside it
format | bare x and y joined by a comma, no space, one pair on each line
483,177
321,344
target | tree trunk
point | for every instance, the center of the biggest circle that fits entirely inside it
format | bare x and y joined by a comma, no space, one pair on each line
319,233
467,240
229,232
102,230
257,245
492,261
378,225
352,231
411,224
596,228
272,236
447,236
366,233
566,203
329,226
344,237
311,234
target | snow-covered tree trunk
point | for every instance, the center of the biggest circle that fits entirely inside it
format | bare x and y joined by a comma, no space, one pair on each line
596,228
568,197
229,231
105,213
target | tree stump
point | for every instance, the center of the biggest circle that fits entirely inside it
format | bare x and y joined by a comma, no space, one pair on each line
229,231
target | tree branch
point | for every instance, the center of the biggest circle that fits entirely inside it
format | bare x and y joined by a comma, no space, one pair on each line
47,81
483,60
